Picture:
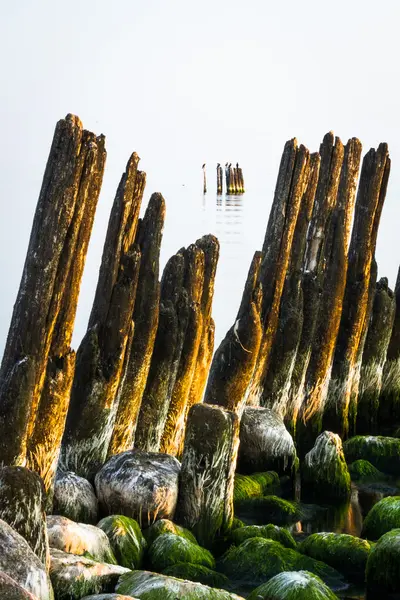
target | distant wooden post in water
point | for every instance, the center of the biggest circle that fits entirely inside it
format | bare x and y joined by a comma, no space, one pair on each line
204,179
219,179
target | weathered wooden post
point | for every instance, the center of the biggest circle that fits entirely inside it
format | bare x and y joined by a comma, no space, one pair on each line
232,184
193,283
234,361
205,500
67,184
145,317
227,175
103,352
277,386
44,443
330,273
369,203
171,332
204,179
219,179
374,357
292,179
241,180
389,401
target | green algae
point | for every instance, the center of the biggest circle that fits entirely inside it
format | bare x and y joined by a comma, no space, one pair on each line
170,549
382,452
324,471
346,553
236,524
257,559
197,573
271,532
293,585
383,517
383,567
166,526
270,509
152,586
254,486
126,540
363,471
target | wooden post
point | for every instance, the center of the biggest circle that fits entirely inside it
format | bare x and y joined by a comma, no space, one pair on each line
204,179
219,179
68,177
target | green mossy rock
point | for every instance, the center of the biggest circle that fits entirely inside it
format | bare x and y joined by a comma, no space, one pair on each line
197,573
383,567
344,552
126,540
293,585
270,532
383,517
170,549
382,452
324,471
237,524
257,560
270,509
254,486
151,586
364,472
166,526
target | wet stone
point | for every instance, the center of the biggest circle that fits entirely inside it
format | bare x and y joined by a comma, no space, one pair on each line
74,498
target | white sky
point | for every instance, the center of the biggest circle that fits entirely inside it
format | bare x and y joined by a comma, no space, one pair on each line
185,82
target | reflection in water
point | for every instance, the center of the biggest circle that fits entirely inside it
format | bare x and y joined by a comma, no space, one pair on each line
229,220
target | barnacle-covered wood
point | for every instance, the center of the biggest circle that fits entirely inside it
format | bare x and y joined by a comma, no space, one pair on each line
277,390
374,357
193,283
145,317
45,439
172,326
205,500
389,401
292,180
370,198
234,361
70,168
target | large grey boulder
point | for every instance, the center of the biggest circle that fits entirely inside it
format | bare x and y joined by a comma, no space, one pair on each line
79,539
76,576
74,498
22,506
141,485
11,590
265,443
18,561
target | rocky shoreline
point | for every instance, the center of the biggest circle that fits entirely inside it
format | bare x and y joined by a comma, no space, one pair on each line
146,465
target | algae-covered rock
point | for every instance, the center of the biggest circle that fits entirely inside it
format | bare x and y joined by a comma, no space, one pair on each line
11,590
141,485
166,526
254,486
257,559
22,506
18,561
382,452
265,443
346,553
383,572
198,573
383,517
237,524
151,586
126,540
169,549
77,576
270,509
293,585
79,539
269,532
108,597
324,472
74,498
363,471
